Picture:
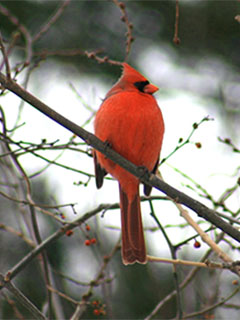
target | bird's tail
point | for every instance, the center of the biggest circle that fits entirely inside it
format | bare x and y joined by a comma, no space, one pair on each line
133,244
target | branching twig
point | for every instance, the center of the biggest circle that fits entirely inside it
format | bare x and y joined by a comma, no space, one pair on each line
31,255
18,234
121,5
34,222
190,276
212,307
174,257
145,176
182,142
5,57
21,298
176,38
229,142
14,20
207,264
76,52
82,305
204,236
52,20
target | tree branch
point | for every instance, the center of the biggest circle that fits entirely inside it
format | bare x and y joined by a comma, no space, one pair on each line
22,299
145,176
38,249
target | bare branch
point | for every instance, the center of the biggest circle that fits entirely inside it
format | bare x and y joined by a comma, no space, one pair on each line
52,20
122,6
5,57
21,298
146,177
31,255
14,20
212,307
176,38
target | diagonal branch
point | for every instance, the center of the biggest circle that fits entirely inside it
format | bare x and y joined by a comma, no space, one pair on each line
22,299
52,20
145,176
38,249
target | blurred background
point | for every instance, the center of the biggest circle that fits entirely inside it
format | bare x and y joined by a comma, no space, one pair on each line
48,45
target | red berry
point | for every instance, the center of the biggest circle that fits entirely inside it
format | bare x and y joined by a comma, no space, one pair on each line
197,244
102,311
87,242
93,240
69,233
97,312
198,145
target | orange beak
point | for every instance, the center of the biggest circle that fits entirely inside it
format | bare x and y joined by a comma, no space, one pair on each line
150,88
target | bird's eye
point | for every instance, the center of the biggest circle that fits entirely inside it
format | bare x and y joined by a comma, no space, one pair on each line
140,85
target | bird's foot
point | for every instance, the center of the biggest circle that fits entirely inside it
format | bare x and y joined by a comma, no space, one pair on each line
144,172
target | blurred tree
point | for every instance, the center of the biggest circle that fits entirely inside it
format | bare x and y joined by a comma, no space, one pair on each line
78,274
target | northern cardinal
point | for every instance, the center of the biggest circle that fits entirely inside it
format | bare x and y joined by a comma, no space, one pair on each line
130,121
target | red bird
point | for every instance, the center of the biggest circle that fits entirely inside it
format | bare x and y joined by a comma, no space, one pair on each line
130,121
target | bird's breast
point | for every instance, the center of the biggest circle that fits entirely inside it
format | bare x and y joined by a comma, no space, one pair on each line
133,125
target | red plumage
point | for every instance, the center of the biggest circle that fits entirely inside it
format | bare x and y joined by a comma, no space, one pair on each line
130,120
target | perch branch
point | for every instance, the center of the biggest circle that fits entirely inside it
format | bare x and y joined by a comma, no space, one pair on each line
146,177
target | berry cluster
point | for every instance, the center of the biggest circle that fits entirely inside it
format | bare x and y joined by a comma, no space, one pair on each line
98,308
89,242
68,233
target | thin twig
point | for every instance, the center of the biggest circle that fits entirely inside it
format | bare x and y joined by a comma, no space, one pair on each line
21,298
212,307
5,57
76,52
62,295
32,254
11,45
124,18
174,257
52,20
33,214
182,142
15,309
145,177
190,276
204,236
176,38
18,234
98,279
207,264
28,39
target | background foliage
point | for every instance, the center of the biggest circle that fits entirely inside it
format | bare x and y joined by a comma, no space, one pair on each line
81,42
